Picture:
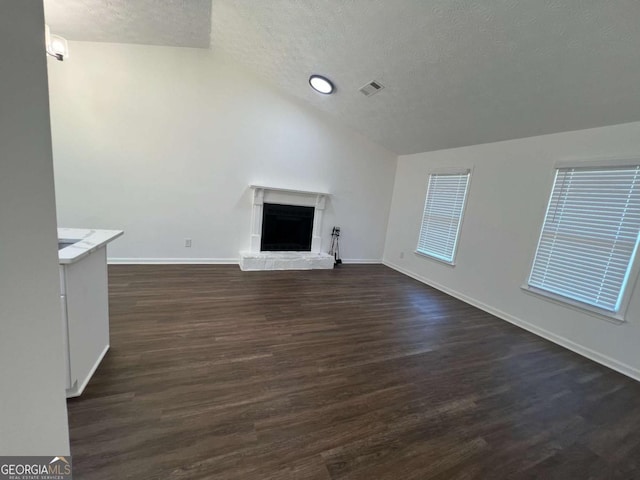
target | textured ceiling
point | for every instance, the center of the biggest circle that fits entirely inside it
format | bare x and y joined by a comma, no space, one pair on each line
456,72
180,23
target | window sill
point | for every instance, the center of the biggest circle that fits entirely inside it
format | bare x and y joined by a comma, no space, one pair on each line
611,317
431,257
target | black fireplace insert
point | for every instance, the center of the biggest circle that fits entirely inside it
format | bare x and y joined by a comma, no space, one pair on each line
286,228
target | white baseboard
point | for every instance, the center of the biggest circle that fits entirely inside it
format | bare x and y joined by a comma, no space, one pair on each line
362,261
172,261
77,391
597,357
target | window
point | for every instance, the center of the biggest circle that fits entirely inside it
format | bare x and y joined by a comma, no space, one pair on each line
590,236
442,216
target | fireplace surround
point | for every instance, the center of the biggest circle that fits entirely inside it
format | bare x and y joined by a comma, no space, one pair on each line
258,258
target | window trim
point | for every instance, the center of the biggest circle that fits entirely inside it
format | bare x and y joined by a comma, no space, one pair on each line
447,171
437,259
618,317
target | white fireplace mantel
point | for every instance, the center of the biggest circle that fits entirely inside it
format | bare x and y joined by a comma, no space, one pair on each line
257,260
289,190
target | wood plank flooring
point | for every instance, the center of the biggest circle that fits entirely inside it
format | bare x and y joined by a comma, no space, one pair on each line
355,373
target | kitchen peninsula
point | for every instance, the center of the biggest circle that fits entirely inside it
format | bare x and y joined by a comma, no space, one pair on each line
84,300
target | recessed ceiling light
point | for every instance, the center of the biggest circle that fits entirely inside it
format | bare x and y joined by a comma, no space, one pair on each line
321,84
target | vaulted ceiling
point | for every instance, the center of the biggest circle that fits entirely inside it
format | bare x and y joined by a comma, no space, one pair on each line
178,23
456,72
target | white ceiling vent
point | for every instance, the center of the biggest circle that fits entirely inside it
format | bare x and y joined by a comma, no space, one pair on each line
371,88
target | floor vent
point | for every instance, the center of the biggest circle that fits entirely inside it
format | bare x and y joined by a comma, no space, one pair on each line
371,88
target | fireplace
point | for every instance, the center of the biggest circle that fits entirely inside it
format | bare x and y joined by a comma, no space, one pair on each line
286,228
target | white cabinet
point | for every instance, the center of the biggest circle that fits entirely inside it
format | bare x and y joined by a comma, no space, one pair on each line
84,303
85,306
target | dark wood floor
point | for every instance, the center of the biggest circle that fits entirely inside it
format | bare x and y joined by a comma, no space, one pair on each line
356,373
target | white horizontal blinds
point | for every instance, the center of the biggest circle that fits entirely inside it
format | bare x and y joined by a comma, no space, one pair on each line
590,235
443,214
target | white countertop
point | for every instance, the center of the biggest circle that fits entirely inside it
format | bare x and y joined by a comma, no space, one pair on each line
89,241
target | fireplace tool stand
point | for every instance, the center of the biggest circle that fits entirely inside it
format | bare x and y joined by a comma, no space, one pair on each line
335,245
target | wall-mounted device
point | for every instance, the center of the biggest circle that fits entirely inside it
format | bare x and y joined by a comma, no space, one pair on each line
55,45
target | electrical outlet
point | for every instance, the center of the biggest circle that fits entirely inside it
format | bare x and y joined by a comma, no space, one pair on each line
401,254
187,242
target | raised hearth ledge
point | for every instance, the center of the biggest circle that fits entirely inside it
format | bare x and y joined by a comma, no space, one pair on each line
258,261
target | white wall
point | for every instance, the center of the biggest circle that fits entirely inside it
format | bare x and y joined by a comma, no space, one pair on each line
33,415
509,190
164,142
